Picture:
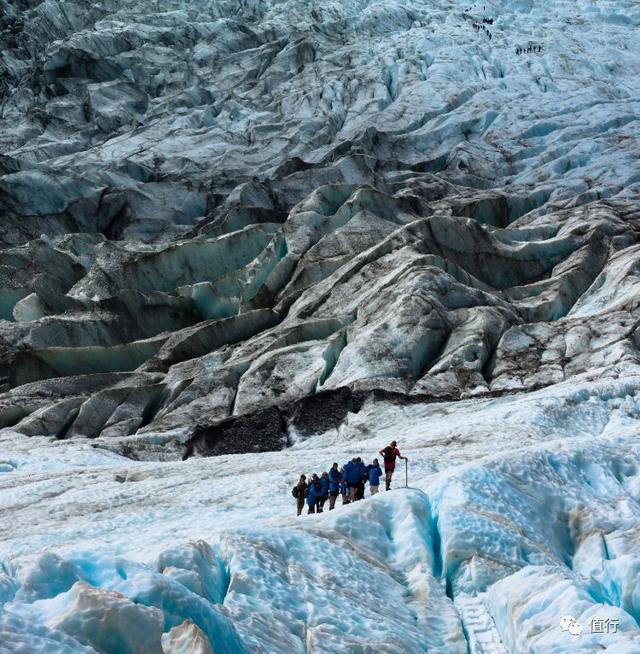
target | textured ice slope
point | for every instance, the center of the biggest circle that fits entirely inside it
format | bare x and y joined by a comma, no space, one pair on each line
489,553
302,197
277,234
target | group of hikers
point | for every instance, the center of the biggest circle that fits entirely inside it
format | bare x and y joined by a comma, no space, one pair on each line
348,481
478,27
528,49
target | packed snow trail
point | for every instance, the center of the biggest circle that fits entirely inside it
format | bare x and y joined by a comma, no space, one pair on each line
480,630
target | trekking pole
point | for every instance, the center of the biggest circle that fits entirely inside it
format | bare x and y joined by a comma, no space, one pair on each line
406,474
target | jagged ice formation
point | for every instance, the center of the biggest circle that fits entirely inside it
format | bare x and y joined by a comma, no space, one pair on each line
240,240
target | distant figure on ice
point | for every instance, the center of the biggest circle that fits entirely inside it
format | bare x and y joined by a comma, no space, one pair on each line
335,477
389,454
374,474
299,491
313,493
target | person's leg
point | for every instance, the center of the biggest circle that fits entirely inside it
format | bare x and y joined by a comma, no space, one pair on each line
300,505
312,509
319,505
352,493
373,489
332,501
387,477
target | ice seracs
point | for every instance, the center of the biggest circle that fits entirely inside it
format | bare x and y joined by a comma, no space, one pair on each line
241,241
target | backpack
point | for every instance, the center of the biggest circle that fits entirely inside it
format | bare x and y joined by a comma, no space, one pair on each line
295,491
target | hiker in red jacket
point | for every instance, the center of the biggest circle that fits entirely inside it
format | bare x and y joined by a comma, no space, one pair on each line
389,455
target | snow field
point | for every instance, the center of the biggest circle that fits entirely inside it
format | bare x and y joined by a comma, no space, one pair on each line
441,567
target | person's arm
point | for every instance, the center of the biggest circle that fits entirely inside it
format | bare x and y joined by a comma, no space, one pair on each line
402,457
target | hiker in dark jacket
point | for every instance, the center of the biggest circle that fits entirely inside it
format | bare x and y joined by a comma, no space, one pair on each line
324,492
334,485
300,493
362,477
344,488
374,473
313,493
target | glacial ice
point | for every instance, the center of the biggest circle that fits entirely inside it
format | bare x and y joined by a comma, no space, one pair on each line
445,563
115,605
185,639
20,636
240,240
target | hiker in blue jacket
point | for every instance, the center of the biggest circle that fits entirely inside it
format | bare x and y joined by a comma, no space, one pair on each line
334,485
324,492
352,475
313,493
374,473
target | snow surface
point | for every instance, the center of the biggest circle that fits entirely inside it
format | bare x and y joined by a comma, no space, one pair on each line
520,510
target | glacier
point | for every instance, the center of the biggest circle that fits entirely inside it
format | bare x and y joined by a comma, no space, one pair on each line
243,239
516,515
